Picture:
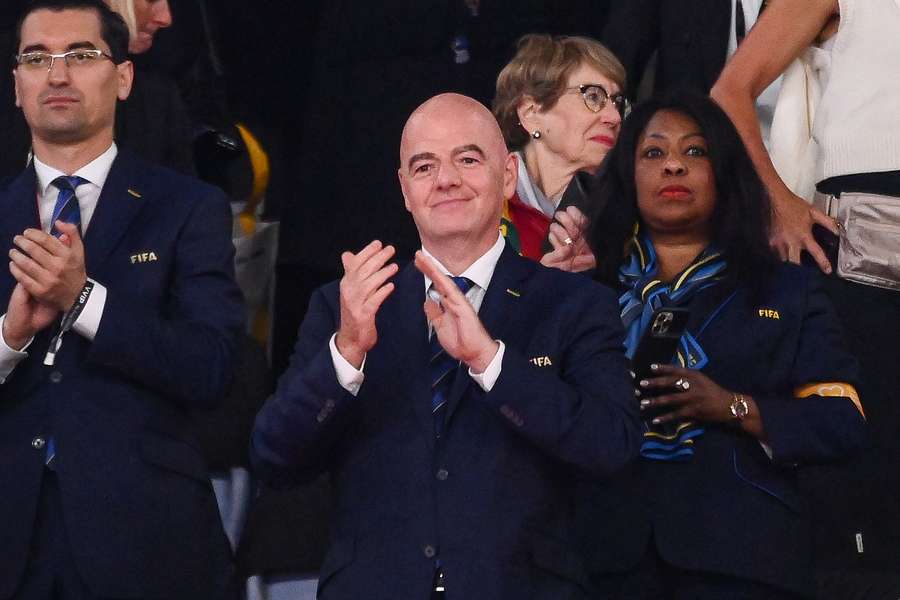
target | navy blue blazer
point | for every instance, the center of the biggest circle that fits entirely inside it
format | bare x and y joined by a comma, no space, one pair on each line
139,510
731,509
493,497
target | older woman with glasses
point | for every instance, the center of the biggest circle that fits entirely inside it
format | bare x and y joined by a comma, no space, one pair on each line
559,104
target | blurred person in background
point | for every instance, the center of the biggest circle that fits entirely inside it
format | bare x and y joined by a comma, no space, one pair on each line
761,383
691,40
559,103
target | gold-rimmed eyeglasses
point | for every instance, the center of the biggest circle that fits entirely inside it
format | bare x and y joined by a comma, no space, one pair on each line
74,59
595,98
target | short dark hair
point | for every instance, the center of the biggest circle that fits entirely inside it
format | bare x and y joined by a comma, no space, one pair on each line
742,215
113,29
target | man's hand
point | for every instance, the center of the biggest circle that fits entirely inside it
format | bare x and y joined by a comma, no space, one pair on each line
455,322
51,270
363,290
570,249
25,317
792,226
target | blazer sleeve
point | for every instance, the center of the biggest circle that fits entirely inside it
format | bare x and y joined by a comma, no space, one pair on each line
301,422
824,424
184,348
584,414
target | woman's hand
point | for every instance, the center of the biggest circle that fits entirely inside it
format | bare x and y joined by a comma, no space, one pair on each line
697,398
570,249
792,225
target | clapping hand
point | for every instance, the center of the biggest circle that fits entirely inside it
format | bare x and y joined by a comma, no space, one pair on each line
455,322
51,270
49,274
363,289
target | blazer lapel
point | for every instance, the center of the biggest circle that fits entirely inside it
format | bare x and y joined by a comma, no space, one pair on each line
120,201
18,213
498,310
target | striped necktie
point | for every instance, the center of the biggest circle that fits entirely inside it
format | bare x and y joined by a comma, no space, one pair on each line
66,208
442,369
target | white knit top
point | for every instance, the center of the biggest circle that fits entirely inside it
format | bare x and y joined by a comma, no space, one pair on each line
857,124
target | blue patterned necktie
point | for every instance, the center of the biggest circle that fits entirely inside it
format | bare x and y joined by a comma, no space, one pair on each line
442,367
66,208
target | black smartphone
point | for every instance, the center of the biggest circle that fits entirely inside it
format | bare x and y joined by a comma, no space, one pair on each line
658,346
659,342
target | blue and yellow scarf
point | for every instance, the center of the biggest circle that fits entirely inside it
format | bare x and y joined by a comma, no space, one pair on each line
645,294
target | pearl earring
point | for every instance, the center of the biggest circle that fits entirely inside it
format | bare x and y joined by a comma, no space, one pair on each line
536,134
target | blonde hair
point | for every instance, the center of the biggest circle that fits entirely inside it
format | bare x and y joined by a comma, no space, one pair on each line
126,9
540,69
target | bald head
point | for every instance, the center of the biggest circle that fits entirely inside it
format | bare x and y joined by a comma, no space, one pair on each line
445,109
455,173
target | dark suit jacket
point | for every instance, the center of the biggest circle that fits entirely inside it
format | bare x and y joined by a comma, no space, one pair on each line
139,510
690,35
493,497
731,509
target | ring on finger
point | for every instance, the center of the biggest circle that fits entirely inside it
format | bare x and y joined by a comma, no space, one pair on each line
683,384
568,241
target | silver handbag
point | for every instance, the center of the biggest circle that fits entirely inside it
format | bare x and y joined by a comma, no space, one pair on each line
869,249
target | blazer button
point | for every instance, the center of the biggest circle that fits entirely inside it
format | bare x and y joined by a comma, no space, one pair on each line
38,443
429,551
55,376
442,474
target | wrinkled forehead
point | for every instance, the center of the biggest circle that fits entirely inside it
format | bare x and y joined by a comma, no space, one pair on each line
442,132
57,31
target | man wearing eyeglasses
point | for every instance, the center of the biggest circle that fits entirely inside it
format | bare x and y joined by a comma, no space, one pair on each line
121,312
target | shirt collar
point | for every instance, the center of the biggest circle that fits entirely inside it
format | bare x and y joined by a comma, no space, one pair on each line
480,272
94,172
530,194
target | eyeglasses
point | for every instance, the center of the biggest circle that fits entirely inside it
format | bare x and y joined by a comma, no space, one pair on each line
74,59
595,98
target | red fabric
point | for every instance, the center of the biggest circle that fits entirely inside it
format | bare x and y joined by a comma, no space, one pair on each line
532,226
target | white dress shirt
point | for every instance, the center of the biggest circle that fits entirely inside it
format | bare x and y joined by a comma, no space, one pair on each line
480,273
95,173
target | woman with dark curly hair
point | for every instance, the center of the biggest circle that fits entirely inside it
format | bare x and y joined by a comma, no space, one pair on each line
760,383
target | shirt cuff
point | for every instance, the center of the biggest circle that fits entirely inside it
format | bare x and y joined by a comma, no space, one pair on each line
9,358
88,321
487,379
348,376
